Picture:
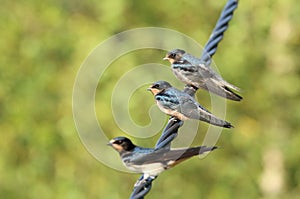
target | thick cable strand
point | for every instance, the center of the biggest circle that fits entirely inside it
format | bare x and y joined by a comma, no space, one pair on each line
143,186
219,30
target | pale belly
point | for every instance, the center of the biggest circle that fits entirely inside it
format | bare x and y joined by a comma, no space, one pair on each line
170,112
153,169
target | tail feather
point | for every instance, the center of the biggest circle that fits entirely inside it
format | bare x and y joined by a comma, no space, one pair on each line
232,95
223,89
204,115
197,151
188,153
218,122
231,86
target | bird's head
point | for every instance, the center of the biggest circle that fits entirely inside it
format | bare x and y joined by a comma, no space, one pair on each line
175,56
121,144
158,87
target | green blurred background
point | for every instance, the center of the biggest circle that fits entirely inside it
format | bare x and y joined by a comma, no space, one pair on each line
43,44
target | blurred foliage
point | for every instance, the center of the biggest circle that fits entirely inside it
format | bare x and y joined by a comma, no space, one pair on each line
42,46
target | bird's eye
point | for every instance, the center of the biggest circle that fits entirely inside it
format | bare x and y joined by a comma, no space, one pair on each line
172,55
155,86
118,142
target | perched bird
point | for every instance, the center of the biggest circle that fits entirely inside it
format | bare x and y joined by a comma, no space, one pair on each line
181,105
152,162
191,70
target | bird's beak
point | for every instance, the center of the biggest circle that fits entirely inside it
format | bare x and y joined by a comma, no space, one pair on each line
109,144
166,58
149,89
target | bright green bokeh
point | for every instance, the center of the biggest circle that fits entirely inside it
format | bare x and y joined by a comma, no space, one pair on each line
42,46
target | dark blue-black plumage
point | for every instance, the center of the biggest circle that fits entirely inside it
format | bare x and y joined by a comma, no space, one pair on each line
192,71
181,105
152,162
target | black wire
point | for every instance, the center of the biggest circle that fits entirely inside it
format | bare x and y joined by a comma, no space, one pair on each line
169,134
143,186
218,32
142,189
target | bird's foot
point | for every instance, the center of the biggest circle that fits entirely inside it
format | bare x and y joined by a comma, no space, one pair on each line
144,180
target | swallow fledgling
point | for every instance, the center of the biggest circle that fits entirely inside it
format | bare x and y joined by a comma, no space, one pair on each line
191,70
152,162
181,105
